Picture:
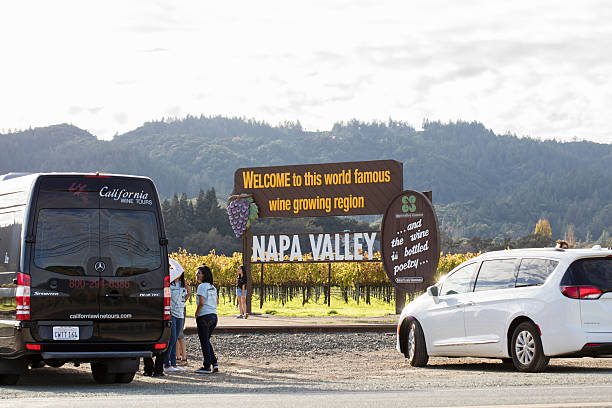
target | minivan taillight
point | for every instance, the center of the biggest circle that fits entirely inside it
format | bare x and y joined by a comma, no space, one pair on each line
581,292
23,296
167,298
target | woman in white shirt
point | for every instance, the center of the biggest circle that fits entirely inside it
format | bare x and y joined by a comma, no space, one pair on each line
206,318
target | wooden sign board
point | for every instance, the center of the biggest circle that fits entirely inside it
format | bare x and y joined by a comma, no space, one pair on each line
410,241
318,190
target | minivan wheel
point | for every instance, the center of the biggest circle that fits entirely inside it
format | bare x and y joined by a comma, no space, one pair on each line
101,375
416,351
124,378
526,348
9,379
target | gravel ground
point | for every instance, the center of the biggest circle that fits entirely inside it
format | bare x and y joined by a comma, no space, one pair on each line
312,362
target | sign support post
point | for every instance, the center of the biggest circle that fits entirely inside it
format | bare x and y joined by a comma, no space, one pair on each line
247,238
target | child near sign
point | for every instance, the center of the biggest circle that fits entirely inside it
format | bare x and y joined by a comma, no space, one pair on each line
241,291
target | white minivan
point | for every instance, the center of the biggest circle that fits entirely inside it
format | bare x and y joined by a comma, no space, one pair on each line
522,305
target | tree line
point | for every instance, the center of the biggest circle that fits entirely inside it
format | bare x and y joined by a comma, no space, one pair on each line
484,184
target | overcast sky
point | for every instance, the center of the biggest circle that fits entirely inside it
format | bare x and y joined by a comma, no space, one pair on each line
536,68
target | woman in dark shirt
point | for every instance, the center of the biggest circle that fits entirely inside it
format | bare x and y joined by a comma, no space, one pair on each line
241,285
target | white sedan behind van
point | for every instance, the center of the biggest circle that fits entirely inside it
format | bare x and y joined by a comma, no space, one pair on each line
523,306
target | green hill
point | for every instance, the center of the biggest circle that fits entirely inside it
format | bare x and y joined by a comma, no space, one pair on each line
483,184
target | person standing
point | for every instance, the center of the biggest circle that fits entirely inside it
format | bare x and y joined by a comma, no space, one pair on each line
241,292
206,318
178,294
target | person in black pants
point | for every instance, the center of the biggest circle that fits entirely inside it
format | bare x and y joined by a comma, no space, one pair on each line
157,369
206,318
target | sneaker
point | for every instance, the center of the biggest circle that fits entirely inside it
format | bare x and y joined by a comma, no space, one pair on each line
246,315
204,370
215,368
158,375
170,369
239,317
147,374
179,369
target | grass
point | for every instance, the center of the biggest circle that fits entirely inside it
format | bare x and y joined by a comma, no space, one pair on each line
295,308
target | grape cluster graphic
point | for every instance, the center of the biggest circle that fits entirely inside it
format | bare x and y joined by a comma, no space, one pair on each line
238,211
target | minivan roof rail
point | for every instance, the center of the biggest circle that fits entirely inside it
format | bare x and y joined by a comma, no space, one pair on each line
9,176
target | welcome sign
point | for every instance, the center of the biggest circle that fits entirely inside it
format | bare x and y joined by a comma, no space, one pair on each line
317,190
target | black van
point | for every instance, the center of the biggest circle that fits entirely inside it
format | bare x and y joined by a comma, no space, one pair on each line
83,273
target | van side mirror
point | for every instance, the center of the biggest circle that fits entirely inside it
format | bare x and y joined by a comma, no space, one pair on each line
433,292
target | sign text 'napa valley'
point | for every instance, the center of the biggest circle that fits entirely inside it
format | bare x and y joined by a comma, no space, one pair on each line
338,247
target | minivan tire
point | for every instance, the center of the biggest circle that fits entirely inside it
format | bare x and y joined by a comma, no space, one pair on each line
124,378
9,379
526,349
416,350
101,375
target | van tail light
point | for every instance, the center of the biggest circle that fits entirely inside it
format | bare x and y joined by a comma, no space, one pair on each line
23,296
167,298
161,346
581,292
31,346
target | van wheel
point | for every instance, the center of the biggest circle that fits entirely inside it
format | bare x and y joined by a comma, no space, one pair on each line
9,379
416,351
526,349
124,378
101,375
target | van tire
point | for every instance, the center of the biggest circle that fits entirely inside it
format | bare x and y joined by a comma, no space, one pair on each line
526,349
101,375
9,379
124,378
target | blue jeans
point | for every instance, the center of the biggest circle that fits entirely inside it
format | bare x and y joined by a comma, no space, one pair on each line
206,324
177,324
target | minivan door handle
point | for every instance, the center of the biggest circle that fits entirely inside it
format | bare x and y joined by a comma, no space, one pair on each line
53,283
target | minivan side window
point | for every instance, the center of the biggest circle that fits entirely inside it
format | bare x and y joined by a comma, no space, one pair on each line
460,281
496,274
533,272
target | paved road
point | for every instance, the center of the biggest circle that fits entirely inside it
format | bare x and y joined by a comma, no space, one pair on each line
530,397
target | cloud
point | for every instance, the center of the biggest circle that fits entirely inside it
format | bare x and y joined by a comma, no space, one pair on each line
121,118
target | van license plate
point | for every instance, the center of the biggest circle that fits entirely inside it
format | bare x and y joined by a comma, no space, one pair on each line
65,333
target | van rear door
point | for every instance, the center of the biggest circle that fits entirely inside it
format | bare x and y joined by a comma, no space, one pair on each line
135,264
66,229
593,279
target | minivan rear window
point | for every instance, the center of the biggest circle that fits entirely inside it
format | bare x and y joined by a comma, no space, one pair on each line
589,272
533,272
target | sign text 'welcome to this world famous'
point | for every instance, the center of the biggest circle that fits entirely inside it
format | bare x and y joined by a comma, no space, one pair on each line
315,190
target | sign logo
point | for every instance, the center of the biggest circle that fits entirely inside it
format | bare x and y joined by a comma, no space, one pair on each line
408,204
100,266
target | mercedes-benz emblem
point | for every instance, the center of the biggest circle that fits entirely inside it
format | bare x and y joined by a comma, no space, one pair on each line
100,266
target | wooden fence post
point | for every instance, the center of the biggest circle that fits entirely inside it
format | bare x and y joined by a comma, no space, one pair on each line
262,291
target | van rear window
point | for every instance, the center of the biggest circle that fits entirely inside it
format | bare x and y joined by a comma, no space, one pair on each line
66,239
130,239
70,241
589,272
